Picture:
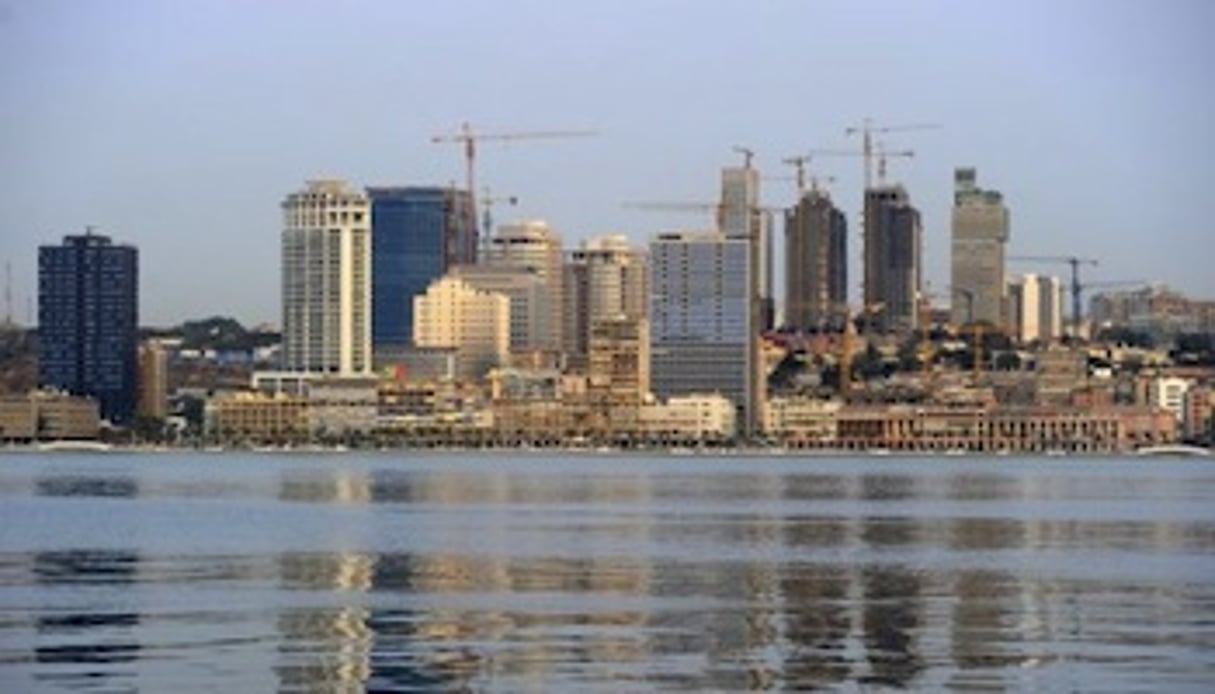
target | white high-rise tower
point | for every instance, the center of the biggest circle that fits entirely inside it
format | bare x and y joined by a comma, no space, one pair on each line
326,272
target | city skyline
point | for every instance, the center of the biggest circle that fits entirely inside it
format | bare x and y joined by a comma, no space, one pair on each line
129,111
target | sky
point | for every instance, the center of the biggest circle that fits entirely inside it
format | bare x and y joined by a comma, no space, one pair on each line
180,126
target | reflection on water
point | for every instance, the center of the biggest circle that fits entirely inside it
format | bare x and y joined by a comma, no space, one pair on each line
81,645
737,574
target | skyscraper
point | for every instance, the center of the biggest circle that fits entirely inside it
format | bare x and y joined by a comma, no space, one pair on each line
533,246
418,234
605,278
816,264
699,323
741,216
88,322
979,233
326,266
892,258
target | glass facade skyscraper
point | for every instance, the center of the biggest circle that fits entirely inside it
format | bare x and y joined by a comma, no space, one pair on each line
88,322
418,234
700,335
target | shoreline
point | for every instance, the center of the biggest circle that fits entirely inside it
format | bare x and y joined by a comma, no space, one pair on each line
776,451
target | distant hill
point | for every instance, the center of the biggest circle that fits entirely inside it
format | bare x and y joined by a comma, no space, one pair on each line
217,332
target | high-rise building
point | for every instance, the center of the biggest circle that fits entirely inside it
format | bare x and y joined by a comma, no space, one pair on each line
741,216
816,264
153,381
533,246
88,322
453,314
418,235
700,335
530,312
979,233
1035,308
604,278
326,246
892,258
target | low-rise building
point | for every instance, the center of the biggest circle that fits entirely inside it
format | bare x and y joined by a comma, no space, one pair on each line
688,419
48,416
256,417
799,422
1198,424
1032,429
1168,392
343,406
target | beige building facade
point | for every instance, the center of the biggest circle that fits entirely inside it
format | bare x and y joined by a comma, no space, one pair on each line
476,323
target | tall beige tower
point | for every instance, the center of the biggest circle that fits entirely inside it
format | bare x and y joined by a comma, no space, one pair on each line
980,231
605,278
534,246
326,273
153,381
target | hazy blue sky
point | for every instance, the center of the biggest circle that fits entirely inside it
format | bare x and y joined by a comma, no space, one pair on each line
179,126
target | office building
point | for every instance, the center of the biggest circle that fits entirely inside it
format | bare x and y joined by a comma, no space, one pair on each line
1035,308
326,271
816,264
417,235
605,278
892,263
700,335
475,323
980,227
533,246
530,312
88,322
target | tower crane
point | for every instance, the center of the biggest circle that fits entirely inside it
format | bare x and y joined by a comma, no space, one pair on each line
1076,286
748,155
469,138
799,164
866,129
488,200
882,155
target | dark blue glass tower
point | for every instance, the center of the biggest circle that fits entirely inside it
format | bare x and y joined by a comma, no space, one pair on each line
88,321
417,234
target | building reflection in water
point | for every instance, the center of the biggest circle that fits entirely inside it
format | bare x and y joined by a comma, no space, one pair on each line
93,645
101,486
782,596
326,647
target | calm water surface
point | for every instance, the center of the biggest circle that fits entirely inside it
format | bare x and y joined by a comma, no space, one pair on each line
549,572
